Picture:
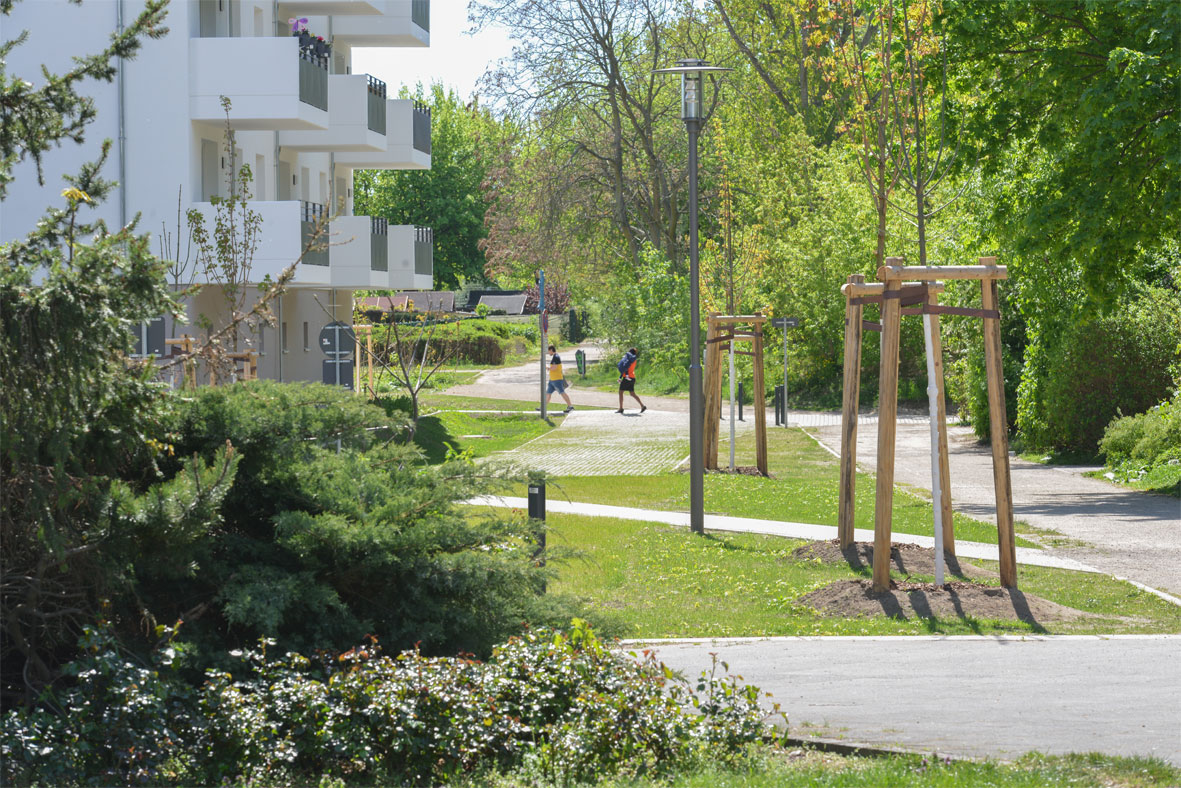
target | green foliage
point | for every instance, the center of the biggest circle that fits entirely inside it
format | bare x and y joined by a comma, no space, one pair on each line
449,196
113,721
558,706
322,545
479,341
1085,94
649,310
83,499
1077,378
1145,449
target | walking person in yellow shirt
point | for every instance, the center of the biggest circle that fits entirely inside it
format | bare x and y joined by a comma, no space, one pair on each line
557,380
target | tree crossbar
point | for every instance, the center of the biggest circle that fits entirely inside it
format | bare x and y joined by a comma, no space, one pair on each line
903,286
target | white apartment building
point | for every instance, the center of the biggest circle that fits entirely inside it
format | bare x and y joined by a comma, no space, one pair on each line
303,122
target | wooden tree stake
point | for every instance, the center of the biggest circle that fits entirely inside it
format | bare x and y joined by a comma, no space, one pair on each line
849,405
760,404
887,424
999,431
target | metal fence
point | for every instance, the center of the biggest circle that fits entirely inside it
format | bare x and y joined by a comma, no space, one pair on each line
313,79
424,251
420,13
379,244
422,127
311,213
376,98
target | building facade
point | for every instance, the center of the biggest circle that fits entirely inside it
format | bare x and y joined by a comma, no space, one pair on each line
302,121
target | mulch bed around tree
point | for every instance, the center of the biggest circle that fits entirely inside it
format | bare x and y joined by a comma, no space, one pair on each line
905,559
852,598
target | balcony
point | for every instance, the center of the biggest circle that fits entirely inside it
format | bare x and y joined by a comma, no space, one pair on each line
357,118
272,83
352,250
398,23
290,8
285,231
379,245
404,121
421,118
411,258
313,244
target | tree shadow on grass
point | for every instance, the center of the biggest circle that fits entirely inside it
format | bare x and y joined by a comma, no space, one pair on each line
434,439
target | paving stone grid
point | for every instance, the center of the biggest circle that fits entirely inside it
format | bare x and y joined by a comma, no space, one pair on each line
605,443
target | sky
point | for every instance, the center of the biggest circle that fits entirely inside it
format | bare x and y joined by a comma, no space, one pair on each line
453,58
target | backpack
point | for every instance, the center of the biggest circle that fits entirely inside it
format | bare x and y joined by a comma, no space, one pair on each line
625,362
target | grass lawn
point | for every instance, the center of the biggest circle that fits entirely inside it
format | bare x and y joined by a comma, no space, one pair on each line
812,768
804,489
652,581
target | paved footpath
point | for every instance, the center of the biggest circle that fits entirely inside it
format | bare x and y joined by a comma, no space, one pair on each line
974,696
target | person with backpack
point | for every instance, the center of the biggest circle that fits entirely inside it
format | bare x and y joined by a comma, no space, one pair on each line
627,378
557,380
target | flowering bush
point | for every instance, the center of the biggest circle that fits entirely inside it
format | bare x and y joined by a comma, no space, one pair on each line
560,706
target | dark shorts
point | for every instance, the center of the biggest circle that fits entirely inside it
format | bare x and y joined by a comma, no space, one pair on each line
627,384
555,386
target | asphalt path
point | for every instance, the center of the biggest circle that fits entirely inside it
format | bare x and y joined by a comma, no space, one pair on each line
967,696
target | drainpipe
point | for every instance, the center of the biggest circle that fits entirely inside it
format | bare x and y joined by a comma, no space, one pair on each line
122,127
282,348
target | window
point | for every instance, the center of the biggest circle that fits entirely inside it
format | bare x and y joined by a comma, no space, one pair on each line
283,335
149,339
307,345
260,177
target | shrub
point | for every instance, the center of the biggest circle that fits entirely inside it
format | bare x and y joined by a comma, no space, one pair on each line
1078,378
559,705
1146,447
332,530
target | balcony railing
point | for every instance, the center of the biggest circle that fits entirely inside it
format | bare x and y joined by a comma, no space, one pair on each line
313,79
424,251
311,214
379,249
376,97
422,127
420,13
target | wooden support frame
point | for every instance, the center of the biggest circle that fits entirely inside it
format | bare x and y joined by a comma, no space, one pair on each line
890,292
188,378
358,389
720,331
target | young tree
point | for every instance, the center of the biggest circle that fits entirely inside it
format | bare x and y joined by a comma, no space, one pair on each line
225,257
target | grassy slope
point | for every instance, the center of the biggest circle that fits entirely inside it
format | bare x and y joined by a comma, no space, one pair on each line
804,489
809,768
657,581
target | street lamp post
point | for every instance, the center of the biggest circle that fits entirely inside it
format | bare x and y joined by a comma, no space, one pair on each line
691,72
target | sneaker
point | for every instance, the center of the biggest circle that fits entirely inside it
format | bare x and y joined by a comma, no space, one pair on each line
568,409
619,411
643,408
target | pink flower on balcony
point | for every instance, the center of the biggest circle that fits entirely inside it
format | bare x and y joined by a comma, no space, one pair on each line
298,25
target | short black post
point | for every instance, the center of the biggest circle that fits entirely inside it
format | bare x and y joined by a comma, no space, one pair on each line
741,395
537,512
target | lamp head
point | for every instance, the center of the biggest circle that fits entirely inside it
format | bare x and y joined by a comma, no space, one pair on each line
691,71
